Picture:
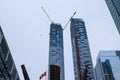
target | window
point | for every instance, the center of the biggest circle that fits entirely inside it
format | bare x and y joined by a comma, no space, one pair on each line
4,46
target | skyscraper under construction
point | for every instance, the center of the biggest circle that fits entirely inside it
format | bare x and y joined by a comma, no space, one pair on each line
56,54
83,67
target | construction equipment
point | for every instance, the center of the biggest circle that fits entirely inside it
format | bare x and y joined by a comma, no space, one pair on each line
53,22
69,20
47,15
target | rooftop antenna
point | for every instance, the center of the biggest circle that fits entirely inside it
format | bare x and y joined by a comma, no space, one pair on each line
69,20
47,14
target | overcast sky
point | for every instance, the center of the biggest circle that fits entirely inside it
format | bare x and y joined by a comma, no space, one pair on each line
26,29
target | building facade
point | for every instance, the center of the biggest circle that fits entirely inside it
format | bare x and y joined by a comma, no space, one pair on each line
114,7
108,65
8,70
81,51
56,54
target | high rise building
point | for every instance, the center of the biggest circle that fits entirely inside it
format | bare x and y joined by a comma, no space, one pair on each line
108,65
8,70
56,54
114,7
81,51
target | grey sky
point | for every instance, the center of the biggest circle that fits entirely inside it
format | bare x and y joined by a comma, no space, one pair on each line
26,29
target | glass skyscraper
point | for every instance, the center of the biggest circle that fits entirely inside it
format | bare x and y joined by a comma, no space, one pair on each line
114,7
81,51
8,70
56,54
108,65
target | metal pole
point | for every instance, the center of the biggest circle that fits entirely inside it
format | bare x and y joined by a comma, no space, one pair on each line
25,74
46,75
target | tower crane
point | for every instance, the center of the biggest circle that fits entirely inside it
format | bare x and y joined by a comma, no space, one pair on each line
53,22
69,20
47,14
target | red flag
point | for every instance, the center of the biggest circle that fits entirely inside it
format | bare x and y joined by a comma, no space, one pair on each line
44,74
